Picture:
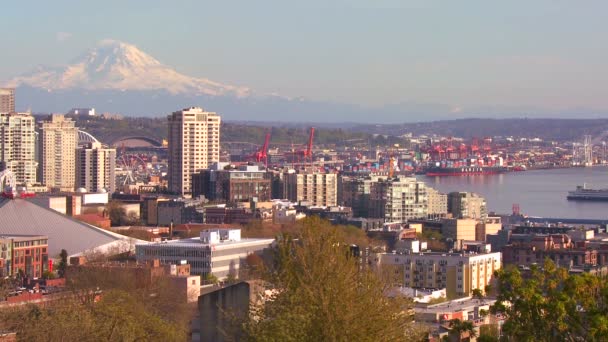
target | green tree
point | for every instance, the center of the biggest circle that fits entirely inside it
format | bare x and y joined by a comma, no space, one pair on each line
549,304
459,328
320,294
63,263
477,293
211,279
116,212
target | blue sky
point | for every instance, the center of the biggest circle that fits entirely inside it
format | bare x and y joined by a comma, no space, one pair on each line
465,54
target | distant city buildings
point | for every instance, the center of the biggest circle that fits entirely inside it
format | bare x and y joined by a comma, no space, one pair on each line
58,140
95,168
18,146
313,188
193,143
82,111
7,100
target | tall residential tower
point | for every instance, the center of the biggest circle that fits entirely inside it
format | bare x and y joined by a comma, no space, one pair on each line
58,140
95,168
194,144
18,146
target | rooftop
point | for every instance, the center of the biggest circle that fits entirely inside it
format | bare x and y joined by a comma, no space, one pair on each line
196,242
21,217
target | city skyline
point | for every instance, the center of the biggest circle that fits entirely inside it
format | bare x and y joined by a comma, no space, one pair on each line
478,59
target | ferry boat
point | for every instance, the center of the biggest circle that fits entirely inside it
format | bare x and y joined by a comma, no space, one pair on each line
583,193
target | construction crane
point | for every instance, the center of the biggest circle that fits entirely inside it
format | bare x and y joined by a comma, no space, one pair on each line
262,153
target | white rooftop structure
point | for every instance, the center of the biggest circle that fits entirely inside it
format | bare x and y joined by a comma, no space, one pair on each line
216,251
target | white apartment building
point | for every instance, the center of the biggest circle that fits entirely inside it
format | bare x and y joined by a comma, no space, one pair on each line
218,251
458,273
57,145
314,188
194,144
96,167
18,146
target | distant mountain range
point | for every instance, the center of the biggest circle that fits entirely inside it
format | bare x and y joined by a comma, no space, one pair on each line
117,77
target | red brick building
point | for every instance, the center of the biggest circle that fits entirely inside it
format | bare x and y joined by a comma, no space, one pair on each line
26,253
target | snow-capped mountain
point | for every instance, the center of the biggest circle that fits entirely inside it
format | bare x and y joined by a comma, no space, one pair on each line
114,65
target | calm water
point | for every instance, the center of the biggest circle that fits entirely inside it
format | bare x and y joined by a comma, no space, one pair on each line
538,193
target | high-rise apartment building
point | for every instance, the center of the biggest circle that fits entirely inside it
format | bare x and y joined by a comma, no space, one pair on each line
194,144
18,146
95,168
313,188
7,100
467,205
57,145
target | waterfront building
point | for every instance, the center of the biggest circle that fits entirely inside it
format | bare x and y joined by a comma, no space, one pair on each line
95,168
57,145
216,251
458,273
311,188
233,185
467,205
18,146
397,199
7,100
193,145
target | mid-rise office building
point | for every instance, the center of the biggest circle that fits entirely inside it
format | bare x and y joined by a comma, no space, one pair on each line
193,143
437,203
57,145
232,185
18,146
7,100
95,168
354,192
458,273
467,205
218,252
312,188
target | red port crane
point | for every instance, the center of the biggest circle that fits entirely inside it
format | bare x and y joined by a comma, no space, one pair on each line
307,153
262,153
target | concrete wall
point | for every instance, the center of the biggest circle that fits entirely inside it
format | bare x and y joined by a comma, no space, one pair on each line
214,309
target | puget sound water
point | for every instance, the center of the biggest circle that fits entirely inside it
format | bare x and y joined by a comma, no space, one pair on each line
538,192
